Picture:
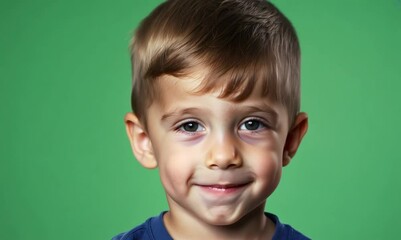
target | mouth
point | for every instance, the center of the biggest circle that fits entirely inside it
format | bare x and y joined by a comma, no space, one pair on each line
222,189
221,194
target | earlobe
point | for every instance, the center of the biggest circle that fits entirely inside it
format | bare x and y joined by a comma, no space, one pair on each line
294,137
140,142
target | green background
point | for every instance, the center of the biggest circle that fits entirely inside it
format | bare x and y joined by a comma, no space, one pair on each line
66,169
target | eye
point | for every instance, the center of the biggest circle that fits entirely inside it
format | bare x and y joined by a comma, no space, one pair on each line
252,125
191,127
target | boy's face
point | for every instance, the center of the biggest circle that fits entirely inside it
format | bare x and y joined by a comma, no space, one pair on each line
218,160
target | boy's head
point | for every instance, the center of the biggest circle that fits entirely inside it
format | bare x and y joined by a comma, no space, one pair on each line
240,44
216,108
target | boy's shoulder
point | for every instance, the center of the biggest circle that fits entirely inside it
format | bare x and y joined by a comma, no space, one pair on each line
154,229
285,231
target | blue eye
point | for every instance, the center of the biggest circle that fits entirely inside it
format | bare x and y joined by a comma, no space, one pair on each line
191,127
252,125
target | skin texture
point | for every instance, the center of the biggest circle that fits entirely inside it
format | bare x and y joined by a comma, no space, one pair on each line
218,160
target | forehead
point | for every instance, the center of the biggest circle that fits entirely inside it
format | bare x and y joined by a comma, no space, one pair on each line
186,92
235,84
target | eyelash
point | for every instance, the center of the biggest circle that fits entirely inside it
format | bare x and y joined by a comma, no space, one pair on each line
262,125
181,125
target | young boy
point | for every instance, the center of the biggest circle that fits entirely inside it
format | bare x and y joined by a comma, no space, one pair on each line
216,108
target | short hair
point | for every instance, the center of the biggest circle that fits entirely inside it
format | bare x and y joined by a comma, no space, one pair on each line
240,42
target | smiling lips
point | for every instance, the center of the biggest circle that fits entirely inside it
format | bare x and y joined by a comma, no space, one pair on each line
223,188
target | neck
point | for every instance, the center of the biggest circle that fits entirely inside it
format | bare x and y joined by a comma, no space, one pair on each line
254,225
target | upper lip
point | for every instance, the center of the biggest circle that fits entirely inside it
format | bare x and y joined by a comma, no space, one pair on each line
225,185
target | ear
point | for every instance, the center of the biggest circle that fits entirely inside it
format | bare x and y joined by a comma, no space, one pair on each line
294,137
140,142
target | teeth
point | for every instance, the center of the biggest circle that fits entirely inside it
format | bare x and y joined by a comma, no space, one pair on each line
220,189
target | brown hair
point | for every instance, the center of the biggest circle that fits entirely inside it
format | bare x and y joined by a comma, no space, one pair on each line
241,42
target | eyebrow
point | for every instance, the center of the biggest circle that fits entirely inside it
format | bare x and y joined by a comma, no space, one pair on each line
262,108
180,112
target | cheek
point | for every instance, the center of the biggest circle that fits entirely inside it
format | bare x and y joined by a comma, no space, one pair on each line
267,167
175,168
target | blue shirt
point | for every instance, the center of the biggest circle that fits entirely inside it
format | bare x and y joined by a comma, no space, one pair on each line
154,229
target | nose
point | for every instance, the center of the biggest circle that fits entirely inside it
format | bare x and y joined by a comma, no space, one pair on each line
224,154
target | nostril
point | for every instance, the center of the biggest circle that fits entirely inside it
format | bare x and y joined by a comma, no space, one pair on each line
233,165
226,163
223,154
